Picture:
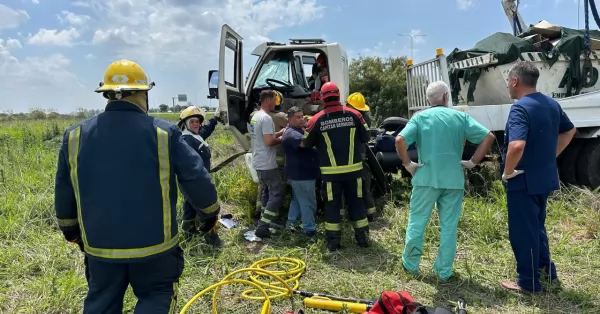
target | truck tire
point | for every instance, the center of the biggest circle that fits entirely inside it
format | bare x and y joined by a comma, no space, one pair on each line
568,162
393,123
588,165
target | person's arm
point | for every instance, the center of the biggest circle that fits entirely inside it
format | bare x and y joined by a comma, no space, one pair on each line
566,131
207,129
476,133
293,139
65,203
311,133
194,180
270,137
407,136
362,128
518,129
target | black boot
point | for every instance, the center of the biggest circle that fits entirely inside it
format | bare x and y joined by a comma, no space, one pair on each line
212,238
371,217
333,239
362,236
263,232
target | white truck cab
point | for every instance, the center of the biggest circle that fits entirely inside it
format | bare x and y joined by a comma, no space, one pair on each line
282,67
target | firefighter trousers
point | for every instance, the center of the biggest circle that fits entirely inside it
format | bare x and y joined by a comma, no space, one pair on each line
352,192
154,282
367,194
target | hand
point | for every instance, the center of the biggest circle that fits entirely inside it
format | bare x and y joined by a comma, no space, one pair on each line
412,167
218,114
325,78
209,224
468,164
506,177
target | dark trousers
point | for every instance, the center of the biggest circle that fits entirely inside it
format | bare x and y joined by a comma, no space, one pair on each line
190,220
367,194
528,239
332,193
154,282
274,188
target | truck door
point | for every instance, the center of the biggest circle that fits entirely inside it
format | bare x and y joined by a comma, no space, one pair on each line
307,59
231,94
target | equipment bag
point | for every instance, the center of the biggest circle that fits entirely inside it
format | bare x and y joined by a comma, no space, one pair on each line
387,142
402,303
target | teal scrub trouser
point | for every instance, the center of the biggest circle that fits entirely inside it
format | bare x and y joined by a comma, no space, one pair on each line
422,201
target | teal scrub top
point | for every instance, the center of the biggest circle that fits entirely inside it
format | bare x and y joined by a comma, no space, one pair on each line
440,133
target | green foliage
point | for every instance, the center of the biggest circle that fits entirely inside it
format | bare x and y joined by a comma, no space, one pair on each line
382,82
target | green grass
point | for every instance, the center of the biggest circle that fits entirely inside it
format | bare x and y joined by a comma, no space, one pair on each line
41,273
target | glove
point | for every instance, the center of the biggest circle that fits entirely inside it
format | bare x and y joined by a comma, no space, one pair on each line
315,96
208,224
412,167
468,164
506,177
218,114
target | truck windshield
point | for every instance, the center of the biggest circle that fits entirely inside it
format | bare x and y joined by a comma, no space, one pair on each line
277,69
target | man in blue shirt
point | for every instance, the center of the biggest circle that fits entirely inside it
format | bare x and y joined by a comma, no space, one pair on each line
302,171
537,131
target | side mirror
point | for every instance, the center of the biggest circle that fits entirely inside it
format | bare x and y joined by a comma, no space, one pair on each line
213,84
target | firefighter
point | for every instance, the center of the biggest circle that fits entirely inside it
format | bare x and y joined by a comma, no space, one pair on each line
357,101
195,133
319,76
116,195
336,131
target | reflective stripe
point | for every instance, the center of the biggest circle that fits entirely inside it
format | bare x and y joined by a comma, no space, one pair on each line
265,220
359,187
371,210
68,222
268,212
174,298
360,224
164,171
329,149
210,209
342,169
306,134
351,149
366,126
329,191
332,227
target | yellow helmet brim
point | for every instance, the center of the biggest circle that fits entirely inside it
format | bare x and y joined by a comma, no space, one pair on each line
128,87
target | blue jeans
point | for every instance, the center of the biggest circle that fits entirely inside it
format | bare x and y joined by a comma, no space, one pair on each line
304,204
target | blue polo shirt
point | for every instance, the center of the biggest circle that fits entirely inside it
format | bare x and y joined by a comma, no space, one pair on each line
300,163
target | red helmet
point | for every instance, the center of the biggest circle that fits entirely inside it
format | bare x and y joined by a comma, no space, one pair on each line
321,58
330,93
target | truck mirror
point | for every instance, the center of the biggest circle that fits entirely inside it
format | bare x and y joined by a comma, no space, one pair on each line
213,84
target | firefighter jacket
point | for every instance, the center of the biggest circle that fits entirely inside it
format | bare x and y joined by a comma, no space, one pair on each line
338,133
199,144
116,183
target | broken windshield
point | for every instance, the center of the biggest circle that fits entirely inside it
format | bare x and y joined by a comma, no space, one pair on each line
277,69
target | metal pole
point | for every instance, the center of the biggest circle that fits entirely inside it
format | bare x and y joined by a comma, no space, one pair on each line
412,52
173,103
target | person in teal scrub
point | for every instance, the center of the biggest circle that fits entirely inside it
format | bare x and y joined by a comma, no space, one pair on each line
440,133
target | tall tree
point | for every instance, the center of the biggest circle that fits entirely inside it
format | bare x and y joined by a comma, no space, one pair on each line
163,108
383,83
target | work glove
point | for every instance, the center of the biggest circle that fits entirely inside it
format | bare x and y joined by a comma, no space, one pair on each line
506,177
412,167
315,96
208,224
218,114
468,164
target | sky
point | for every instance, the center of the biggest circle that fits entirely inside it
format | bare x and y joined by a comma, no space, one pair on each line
53,53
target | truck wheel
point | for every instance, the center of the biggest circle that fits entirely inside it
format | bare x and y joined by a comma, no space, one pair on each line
568,162
394,123
588,165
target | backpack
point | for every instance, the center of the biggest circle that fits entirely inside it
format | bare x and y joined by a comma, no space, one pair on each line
402,303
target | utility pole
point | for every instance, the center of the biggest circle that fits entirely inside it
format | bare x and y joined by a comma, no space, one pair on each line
173,103
412,37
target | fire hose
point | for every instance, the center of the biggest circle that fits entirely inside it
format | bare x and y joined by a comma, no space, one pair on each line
285,286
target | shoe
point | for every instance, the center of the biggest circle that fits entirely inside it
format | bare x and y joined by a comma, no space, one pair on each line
371,218
511,285
333,239
212,238
362,236
263,232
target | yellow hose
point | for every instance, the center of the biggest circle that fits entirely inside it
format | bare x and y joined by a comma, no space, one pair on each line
279,288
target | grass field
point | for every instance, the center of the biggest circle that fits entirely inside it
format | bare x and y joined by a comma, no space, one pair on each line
41,273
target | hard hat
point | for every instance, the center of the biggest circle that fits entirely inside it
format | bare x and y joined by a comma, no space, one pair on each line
278,98
357,101
190,112
124,75
330,94
321,58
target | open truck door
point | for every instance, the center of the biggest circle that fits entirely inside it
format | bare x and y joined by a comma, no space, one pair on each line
235,113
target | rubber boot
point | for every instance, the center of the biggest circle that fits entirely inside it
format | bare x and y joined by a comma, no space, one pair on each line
212,238
263,231
371,217
362,236
333,239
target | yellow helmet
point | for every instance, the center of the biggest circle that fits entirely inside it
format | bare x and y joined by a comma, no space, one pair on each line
358,102
278,99
189,112
124,75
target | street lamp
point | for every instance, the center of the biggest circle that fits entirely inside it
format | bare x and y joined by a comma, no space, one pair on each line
412,37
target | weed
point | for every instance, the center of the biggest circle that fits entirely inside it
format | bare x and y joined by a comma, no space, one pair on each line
41,273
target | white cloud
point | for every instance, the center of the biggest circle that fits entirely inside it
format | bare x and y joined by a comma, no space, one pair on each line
465,4
13,43
71,18
90,56
10,18
36,1
53,37
82,4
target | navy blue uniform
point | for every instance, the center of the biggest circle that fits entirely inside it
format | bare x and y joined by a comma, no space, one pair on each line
116,190
538,120
192,219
